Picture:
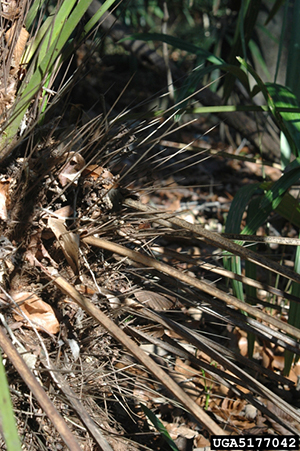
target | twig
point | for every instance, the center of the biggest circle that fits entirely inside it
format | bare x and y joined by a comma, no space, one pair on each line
39,393
223,272
81,412
216,240
209,289
140,355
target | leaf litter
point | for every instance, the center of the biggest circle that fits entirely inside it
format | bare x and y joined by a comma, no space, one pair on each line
194,338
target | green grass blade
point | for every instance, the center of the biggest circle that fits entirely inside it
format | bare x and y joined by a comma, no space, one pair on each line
238,207
256,53
233,225
289,209
194,78
232,108
198,73
93,21
177,43
233,263
32,13
294,313
49,32
275,198
271,103
275,8
7,419
160,427
271,200
283,97
244,32
62,29
285,151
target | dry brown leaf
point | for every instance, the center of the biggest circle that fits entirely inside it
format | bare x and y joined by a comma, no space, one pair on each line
142,395
84,289
175,430
37,311
240,387
64,212
95,171
9,9
243,346
7,96
201,442
68,241
283,416
36,251
154,300
271,360
104,176
71,171
295,373
201,379
105,179
233,412
278,362
193,390
130,367
234,406
19,45
273,173
4,199
189,372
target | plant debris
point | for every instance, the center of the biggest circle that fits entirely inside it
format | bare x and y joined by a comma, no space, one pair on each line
113,285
